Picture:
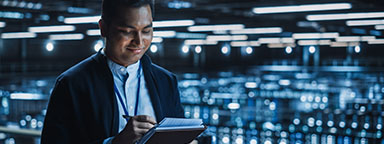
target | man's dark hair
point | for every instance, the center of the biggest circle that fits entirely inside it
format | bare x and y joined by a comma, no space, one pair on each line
110,7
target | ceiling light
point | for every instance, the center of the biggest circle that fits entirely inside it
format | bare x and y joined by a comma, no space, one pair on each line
307,42
17,35
376,41
224,50
49,46
185,49
157,40
276,45
249,50
367,38
324,42
198,49
258,30
199,42
215,27
301,8
58,28
182,35
2,24
339,44
348,39
154,48
379,27
82,20
93,32
244,43
75,36
344,16
364,22
288,50
269,40
226,37
315,35
167,34
173,23
357,49
312,49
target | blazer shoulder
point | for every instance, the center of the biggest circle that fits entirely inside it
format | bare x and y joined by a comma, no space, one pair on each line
80,70
162,71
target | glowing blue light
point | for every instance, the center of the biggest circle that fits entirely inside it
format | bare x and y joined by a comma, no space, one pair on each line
312,49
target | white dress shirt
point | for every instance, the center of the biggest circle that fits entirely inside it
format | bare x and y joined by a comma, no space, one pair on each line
126,81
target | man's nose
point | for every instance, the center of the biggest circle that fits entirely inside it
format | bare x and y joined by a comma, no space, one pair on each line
138,40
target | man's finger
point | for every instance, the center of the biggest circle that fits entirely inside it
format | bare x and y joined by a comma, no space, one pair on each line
145,118
144,125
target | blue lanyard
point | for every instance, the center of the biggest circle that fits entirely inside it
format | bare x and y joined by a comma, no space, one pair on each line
137,94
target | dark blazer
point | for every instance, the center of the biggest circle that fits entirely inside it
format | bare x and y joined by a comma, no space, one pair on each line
83,107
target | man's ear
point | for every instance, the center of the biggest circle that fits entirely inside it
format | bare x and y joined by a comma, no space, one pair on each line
103,28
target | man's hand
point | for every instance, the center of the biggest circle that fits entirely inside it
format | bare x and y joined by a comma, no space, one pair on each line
136,127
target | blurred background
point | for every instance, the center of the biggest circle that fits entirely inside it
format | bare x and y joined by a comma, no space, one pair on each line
255,71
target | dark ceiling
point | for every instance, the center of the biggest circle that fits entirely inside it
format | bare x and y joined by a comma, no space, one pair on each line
203,12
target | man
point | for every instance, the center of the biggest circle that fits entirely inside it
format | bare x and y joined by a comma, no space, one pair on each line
89,100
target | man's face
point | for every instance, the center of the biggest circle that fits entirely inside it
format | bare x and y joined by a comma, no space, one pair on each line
128,35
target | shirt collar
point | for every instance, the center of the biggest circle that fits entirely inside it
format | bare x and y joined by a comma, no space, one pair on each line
121,70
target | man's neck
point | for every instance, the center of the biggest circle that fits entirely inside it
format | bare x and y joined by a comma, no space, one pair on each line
116,60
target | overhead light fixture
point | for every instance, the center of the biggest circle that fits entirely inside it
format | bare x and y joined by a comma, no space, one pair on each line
276,45
367,38
312,49
258,30
324,42
357,49
49,46
307,42
199,42
167,34
269,40
47,29
82,20
2,24
173,23
182,35
339,44
348,39
198,49
379,27
315,35
301,8
153,48
364,22
344,16
248,50
376,41
17,35
226,37
93,32
288,50
74,36
245,43
157,40
185,49
225,50
216,27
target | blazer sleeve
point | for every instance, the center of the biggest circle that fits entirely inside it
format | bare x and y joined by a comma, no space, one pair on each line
61,126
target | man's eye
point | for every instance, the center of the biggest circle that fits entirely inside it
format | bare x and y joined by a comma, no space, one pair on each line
125,32
147,31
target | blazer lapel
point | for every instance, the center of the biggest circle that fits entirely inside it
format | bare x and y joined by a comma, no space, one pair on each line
108,79
152,87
